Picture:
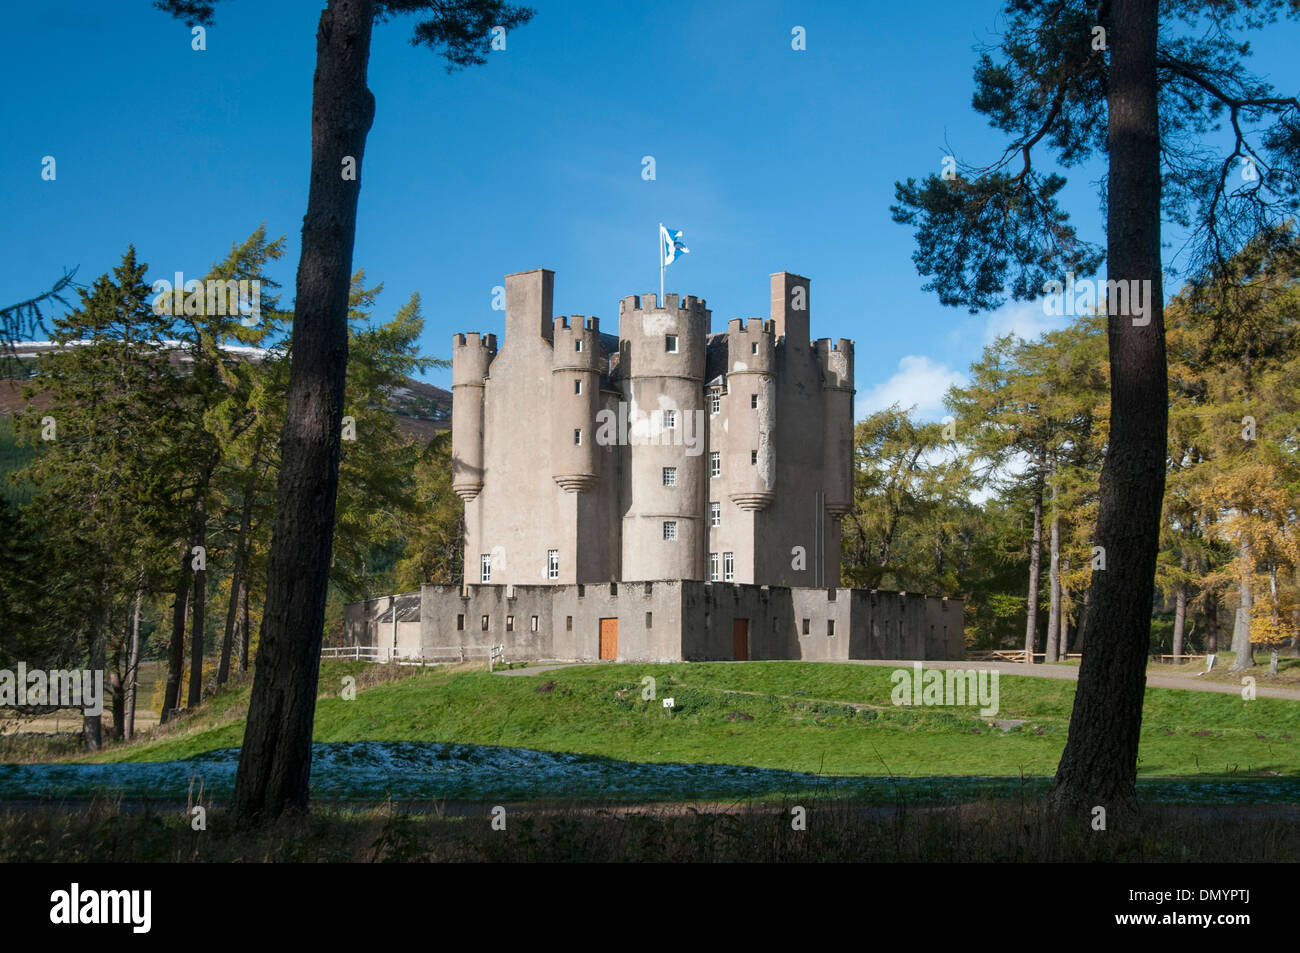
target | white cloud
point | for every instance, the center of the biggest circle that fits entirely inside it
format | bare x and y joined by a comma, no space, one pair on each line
918,382
1025,319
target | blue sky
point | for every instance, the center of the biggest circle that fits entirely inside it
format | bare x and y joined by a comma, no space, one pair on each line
768,158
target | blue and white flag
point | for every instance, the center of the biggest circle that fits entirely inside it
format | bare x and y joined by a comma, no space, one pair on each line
672,245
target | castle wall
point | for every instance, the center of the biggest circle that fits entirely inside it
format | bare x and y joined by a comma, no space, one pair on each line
688,620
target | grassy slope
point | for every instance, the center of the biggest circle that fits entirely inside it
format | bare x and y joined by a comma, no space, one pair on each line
834,719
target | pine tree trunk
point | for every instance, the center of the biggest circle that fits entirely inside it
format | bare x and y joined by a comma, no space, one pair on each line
243,628
1211,624
92,726
176,657
1180,620
1035,553
1099,764
241,562
1054,582
200,615
1065,616
275,763
1244,657
133,668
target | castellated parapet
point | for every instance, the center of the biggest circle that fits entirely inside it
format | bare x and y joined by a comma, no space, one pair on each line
471,356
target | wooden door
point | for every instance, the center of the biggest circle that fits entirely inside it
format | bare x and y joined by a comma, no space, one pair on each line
740,640
609,638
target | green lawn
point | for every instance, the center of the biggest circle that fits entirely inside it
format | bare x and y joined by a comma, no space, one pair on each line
802,716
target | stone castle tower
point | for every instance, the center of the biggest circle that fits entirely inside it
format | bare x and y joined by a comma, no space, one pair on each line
666,452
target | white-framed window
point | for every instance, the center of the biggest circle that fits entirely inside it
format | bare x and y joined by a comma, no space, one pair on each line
713,567
670,529
670,476
670,419
577,387
552,564
670,343
577,344
577,438
715,514
728,567
715,464
485,567
715,402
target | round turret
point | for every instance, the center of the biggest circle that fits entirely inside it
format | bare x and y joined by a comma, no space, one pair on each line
575,399
751,413
471,356
661,368
836,360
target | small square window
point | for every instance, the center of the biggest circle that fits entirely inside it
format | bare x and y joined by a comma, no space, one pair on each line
649,588
582,590
753,401
830,627
485,623
670,529
568,623
753,348
753,458
577,344
577,387
670,476
670,343
532,625
715,514
805,626
460,623
613,588
649,620
670,419
577,438
715,464
510,623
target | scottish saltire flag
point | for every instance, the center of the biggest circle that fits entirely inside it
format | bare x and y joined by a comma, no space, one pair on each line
673,245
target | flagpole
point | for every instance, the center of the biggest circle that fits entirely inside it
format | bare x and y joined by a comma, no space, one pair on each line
661,263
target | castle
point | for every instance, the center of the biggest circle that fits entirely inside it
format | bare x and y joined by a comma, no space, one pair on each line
665,493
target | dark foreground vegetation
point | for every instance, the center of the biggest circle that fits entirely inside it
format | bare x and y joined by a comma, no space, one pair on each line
1007,830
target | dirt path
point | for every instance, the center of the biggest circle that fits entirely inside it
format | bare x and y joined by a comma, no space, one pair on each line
1190,681
1071,672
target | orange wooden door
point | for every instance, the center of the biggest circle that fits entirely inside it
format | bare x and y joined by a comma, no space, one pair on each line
740,640
609,638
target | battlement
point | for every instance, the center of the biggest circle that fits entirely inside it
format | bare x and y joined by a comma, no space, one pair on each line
836,359
672,302
751,346
576,343
578,322
471,355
